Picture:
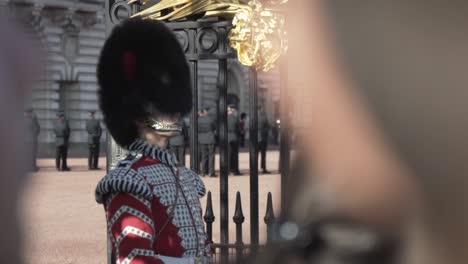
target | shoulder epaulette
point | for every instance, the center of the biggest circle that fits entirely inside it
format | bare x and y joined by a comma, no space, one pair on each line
123,179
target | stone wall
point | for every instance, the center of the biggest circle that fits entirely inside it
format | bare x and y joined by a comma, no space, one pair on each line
72,33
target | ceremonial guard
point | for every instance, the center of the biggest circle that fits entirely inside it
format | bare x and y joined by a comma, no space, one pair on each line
233,139
33,130
177,143
206,139
152,203
93,126
62,136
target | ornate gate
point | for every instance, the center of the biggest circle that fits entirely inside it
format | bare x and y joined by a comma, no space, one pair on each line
207,39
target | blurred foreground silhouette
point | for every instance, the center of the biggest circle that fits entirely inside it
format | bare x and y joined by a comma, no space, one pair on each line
19,67
384,88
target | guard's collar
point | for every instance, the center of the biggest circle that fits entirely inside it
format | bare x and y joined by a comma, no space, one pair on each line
141,146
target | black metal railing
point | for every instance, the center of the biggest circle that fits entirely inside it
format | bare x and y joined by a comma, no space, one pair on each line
238,251
192,35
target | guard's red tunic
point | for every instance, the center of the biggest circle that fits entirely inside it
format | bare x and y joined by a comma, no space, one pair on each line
152,208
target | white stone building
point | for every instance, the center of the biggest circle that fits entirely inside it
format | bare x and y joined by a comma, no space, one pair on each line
73,32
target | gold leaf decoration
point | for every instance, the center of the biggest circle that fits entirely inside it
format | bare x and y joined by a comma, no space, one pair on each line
258,35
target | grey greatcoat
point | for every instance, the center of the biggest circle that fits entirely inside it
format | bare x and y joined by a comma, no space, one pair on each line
32,126
263,127
177,144
33,129
233,128
62,133
179,139
206,138
206,130
93,126
233,139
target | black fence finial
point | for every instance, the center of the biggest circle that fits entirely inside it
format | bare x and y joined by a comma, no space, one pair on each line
239,220
269,217
209,217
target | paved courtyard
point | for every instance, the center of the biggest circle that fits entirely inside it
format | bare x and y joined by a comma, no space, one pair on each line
63,223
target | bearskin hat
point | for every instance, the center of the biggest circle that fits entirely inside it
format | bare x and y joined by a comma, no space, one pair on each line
141,66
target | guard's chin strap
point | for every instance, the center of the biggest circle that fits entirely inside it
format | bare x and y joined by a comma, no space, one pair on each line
163,126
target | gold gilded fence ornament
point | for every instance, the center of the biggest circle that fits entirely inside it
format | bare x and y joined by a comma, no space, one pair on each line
258,33
259,36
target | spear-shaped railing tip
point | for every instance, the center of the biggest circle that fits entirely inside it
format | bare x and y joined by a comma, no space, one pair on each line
238,214
209,217
269,217
239,220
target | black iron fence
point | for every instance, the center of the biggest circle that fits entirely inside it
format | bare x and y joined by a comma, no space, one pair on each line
207,39
239,251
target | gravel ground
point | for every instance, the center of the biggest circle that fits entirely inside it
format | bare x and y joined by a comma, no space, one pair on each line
63,224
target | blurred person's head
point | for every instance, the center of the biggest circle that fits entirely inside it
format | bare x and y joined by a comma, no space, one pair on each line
61,116
410,67
202,112
231,109
391,78
28,112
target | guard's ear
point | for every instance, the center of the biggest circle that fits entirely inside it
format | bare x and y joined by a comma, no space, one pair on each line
140,124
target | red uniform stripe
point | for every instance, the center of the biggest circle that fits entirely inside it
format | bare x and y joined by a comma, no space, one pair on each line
123,199
129,220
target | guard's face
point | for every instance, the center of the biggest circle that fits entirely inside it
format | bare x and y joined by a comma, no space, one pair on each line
157,128
166,125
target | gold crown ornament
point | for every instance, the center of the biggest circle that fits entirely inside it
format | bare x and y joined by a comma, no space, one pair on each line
258,34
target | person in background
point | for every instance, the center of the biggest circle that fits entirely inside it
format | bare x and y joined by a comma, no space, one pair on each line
62,136
33,129
93,127
177,143
263,132
242,128
206,140
233,140
275,131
